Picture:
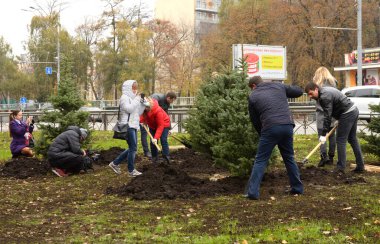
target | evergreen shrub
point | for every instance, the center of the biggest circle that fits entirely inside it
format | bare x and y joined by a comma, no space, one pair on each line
373,139
66,105
219,123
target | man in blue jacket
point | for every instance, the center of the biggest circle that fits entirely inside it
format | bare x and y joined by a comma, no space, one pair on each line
270,115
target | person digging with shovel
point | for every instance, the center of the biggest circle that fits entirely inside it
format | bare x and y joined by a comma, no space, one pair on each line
338,106
158,122
270,115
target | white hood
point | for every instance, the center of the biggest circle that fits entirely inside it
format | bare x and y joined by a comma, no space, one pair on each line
127,88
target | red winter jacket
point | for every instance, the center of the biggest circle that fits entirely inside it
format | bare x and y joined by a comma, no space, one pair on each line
157,119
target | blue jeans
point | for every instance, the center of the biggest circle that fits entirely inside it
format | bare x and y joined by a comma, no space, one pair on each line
144,140
164,142
346,131
282,136
130,153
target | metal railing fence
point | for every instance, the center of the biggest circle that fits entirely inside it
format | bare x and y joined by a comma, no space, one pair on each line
180,102
304,118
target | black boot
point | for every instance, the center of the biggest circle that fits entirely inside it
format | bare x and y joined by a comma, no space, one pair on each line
323,161
167,159
155,159
148,154
330,161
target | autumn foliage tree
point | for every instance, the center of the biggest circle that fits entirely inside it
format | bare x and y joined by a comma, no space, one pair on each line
291,24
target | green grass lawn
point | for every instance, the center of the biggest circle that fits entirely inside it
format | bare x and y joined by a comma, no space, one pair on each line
303,144
76,210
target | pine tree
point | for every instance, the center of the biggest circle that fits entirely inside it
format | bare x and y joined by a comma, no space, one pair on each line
66,105
220,123
373,139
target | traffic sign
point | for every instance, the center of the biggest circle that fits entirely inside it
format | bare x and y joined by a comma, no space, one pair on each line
48,70
23,100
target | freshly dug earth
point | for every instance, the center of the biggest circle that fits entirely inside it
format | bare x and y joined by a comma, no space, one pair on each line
189,175
23,167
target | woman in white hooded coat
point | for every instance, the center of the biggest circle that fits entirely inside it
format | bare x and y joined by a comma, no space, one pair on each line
131,107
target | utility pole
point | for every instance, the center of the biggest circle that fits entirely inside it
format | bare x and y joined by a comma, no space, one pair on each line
58,51
359,77
359,59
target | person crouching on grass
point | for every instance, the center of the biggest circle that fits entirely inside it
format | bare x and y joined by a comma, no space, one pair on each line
20,131
158,122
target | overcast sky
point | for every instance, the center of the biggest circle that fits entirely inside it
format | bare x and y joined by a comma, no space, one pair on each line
14,20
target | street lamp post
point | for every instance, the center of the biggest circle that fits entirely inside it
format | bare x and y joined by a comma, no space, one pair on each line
360,54
359,72
58,52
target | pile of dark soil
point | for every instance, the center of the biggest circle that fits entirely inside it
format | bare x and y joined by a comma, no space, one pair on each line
23,167
189,175
106,156
162,181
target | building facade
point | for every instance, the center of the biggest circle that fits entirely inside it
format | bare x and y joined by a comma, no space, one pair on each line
370,67
201,15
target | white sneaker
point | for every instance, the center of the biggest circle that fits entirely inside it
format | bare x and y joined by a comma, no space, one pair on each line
115,168
134,173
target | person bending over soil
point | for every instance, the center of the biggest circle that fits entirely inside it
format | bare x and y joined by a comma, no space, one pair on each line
65,154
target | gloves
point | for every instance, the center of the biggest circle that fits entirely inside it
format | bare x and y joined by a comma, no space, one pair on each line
322,139
154,141
146,103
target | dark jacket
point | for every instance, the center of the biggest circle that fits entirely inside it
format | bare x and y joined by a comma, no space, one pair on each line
319,109
17,131
334,104
161,99
268,105
66,144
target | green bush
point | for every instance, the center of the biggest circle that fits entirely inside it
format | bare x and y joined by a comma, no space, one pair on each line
373,139
219,123
66,105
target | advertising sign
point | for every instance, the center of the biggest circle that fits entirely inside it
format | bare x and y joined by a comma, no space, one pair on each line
269,62
368,58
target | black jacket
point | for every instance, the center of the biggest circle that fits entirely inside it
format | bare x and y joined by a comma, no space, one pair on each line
268,105
66,144
162,102
334,104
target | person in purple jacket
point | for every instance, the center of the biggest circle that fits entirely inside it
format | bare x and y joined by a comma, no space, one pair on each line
20,131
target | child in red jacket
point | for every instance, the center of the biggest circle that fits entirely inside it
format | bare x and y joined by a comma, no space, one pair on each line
158,122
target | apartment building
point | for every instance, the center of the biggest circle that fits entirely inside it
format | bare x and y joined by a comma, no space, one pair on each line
202,15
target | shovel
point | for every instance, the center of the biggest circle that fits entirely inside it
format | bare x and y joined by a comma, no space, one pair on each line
182,141
151,137
306,159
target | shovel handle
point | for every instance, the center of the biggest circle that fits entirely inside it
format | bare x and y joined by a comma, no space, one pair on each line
320,143
151,137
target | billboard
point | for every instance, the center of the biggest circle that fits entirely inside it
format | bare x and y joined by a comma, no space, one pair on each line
269,62
369,57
